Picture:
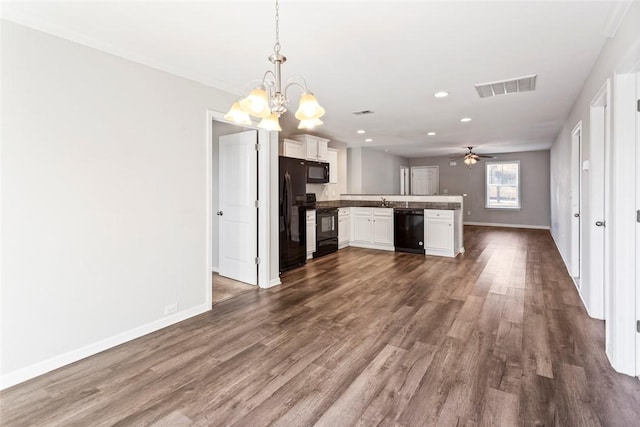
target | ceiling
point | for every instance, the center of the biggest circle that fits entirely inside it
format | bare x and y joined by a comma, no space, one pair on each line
389,57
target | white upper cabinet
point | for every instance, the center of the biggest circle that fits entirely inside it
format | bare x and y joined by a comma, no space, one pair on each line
316,147
296,149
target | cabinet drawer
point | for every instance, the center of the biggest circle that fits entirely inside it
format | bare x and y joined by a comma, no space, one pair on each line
362,211
435,213
387,212
311,215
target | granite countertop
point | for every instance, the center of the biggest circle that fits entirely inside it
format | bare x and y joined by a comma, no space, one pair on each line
378,204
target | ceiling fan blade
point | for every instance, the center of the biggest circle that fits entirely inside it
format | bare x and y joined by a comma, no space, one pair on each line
485,156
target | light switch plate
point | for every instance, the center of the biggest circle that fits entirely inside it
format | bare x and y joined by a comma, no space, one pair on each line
585,165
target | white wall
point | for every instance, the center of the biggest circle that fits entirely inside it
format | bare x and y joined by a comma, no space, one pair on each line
374,171
612,54
103,200
462,179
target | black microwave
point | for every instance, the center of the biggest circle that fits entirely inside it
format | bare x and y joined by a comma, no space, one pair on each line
317,172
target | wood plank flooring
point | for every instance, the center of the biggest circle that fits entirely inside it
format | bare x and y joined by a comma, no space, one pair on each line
224,288
494,337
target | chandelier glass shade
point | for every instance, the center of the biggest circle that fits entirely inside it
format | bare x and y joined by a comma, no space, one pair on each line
268,100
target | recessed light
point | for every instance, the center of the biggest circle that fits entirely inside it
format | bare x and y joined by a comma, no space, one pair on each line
431,133
465,119
361,131
368,140
386,150
441,94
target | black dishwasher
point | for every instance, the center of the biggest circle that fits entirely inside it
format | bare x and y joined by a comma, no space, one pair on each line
408,235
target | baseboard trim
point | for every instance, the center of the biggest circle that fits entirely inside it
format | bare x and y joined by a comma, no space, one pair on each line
40,368
495,224
272,283
215,270
566,264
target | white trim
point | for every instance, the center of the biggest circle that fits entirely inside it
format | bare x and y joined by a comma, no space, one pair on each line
32,371
264,235
486,186
215,269
620,328
265,139
273,282
209,207
576,174
573,279
616,16
495,224
564,259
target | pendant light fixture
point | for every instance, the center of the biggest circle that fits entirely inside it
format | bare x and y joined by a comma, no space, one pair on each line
268,101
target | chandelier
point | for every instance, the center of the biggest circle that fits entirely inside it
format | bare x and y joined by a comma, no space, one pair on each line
268,101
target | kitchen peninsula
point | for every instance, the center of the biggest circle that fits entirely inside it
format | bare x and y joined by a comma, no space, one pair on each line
367,221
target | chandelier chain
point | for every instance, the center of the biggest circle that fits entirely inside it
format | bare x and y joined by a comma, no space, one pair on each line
276,48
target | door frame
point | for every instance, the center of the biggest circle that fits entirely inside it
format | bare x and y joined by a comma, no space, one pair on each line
622,338
267,239
576,186
599,145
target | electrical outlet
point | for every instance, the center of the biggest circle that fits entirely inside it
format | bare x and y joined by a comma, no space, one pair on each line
468,212
171,308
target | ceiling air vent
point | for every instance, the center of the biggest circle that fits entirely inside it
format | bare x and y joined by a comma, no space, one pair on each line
519,84
363,112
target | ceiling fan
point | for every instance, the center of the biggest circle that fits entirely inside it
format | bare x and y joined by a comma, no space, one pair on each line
471,158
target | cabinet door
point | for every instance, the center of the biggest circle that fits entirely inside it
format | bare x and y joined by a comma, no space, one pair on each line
311,232
294,149
312,149
323,150
383,230
362,228
438,234
332,158
344,229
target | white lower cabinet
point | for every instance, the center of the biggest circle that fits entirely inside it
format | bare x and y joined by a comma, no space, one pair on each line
344,227
311,233
440,233
372,228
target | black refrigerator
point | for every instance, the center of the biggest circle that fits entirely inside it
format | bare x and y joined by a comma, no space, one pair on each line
292,178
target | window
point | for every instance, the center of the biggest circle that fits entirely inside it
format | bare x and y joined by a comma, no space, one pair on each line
503,185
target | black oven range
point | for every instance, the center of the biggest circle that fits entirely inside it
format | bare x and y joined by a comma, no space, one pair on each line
326,231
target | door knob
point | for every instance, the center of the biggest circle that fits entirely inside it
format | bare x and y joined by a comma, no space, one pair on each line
219,213
600,223
577,215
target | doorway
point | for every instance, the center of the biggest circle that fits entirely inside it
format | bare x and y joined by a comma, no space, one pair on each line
576,204
599,125
266,240
424,180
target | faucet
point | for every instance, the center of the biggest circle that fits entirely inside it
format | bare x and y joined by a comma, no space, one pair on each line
384,202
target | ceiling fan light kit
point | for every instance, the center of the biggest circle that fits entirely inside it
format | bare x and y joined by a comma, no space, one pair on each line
470,158
268,101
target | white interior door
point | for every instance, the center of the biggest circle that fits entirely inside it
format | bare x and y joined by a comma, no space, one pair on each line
594,291
637,225
576,190
238,225
424,180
